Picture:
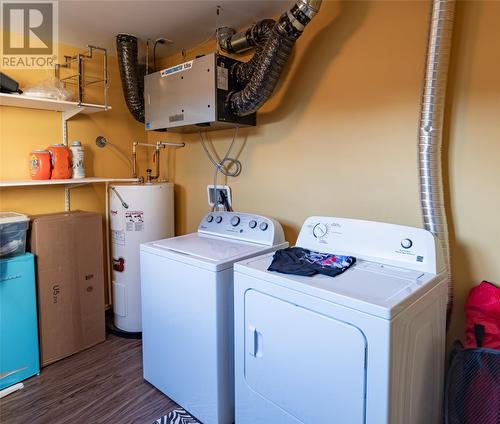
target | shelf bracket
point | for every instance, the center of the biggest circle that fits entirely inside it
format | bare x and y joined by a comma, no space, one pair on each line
67,199
66,115
67,194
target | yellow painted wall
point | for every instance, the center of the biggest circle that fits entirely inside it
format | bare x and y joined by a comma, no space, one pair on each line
339,136
473,131
22,130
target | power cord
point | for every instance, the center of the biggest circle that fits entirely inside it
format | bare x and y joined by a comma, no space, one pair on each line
224,201
161,40
224,166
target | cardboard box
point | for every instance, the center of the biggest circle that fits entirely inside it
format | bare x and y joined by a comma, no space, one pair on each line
70,282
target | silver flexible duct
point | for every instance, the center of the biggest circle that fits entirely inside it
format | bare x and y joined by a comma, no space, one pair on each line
260,78
431,129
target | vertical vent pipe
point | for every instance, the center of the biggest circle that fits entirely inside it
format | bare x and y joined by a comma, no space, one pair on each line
431,129
131,76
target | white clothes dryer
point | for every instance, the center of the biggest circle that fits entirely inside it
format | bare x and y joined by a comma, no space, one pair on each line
366,346
187,309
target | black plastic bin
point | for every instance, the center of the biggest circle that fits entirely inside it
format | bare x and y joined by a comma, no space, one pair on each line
472,393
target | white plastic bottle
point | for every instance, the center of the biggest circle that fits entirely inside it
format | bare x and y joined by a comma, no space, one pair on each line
77,159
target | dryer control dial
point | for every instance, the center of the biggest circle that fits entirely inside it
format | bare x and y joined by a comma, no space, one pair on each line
320,230
218,219
406,243
235,220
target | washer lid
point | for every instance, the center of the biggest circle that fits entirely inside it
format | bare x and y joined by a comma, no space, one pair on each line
204,250
370,287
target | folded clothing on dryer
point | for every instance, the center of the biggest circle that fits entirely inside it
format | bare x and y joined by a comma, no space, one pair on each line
299,261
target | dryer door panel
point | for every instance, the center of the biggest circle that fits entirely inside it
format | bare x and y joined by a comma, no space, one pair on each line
309,365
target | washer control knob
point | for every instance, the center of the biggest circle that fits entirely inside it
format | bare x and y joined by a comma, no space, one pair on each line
252,223
235,220
210,218
218,219
320,230
263,226
406,243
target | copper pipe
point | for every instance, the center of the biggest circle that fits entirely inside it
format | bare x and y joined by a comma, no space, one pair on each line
157,162
159,145
134,159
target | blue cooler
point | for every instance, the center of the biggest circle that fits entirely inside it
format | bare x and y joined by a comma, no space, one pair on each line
19,358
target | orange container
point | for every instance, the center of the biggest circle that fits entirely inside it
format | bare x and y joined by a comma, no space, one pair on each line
60,157
40,165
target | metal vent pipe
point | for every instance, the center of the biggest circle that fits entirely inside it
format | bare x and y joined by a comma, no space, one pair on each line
430,132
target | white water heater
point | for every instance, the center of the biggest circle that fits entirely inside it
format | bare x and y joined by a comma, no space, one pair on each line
138,213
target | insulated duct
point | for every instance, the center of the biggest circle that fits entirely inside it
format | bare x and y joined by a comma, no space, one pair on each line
255,36
431,129
261,75
131,75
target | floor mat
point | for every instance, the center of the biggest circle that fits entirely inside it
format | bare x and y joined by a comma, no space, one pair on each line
177,416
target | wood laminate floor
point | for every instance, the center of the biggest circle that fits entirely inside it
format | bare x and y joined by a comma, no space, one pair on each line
103,384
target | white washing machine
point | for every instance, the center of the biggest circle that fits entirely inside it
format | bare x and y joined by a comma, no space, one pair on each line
187,309
364,347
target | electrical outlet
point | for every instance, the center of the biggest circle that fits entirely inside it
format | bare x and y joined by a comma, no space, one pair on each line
213,194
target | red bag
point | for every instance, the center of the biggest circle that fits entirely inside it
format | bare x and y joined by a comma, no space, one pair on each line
482,312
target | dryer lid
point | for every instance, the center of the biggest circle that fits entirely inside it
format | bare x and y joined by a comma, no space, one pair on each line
375,288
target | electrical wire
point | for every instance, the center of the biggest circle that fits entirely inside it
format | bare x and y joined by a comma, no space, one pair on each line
220,164
102,142
217,44
215,206
225,165
154,55
121,154
147,55
160,40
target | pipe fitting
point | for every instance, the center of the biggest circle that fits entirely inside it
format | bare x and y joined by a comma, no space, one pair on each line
224,35
309,7
159,145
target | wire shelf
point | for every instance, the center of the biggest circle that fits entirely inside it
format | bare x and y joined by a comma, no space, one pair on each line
79,78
